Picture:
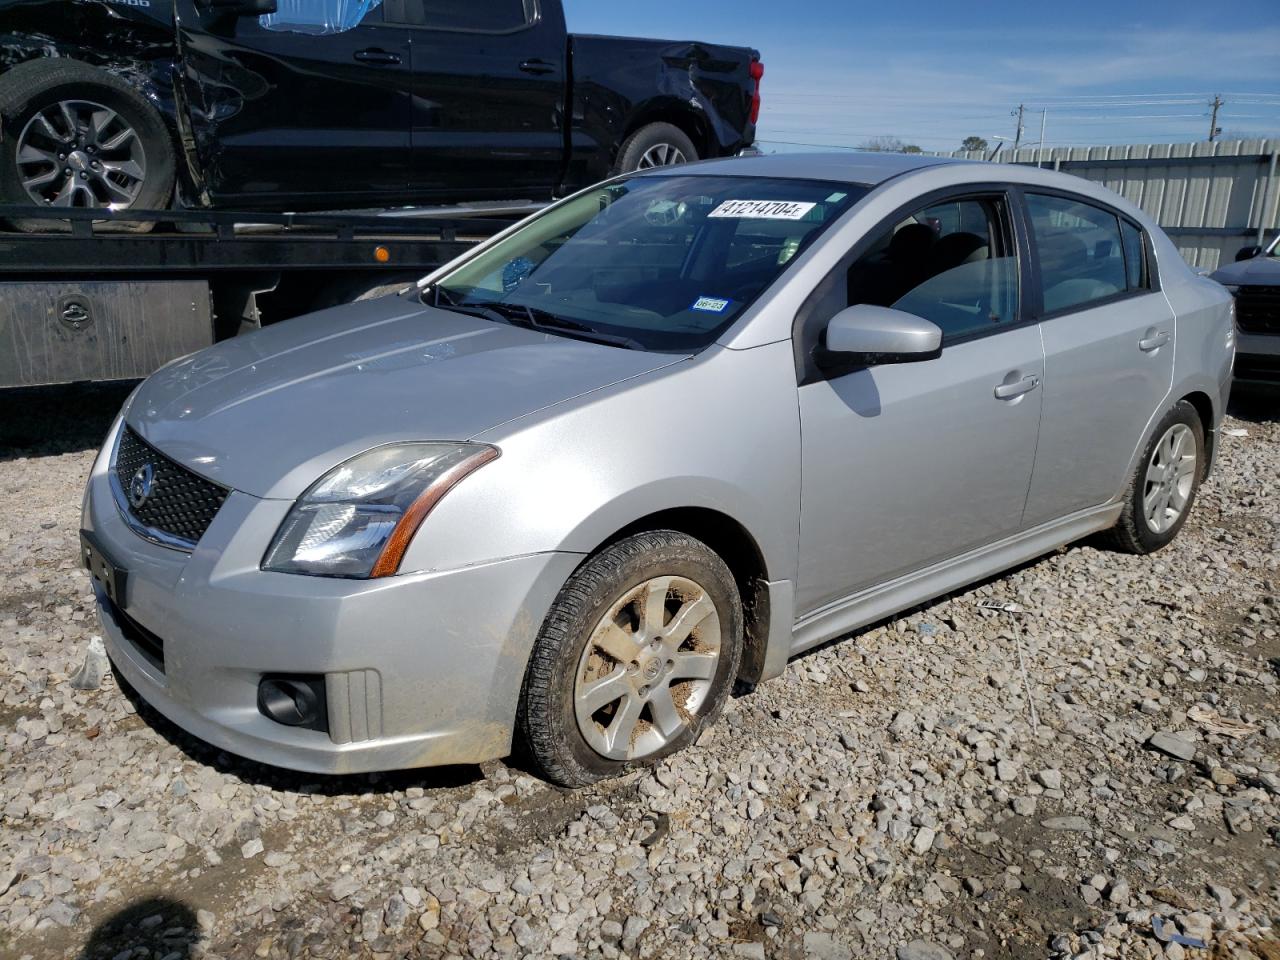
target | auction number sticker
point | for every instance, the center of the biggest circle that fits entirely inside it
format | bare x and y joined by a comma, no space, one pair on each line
762,210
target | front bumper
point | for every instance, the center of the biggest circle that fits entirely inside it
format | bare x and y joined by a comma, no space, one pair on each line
420,669
1257,358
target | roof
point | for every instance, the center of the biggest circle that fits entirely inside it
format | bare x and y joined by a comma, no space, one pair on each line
848,167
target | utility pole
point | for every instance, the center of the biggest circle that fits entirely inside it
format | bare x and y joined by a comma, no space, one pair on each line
1017,137
1216,103
1044,116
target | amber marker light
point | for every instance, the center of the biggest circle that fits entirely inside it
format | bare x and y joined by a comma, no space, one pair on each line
382,254
389,561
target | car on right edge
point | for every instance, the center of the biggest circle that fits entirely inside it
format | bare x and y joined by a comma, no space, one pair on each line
1254,280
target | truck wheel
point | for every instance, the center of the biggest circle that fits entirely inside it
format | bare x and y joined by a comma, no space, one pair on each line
655,145
76,136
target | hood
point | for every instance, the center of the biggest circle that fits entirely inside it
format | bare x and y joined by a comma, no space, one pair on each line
1255,270
270,412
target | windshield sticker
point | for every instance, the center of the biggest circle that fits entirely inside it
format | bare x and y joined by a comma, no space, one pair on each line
710,304
762,210
836,197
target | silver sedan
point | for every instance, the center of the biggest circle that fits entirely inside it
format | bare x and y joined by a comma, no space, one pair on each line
664,435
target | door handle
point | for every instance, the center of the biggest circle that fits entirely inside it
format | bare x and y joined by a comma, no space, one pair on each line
376,56
1007,391
537,67
1155,342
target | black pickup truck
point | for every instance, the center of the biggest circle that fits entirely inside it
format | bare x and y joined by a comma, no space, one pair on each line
329,104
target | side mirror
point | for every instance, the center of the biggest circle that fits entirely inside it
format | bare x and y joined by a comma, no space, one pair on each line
865,335
1248,253
242,8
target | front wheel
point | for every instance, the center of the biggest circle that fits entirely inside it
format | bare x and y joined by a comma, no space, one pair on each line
76,136
637,657
1164,485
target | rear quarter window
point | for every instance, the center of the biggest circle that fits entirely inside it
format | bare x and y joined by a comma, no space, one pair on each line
1079,250
1137,269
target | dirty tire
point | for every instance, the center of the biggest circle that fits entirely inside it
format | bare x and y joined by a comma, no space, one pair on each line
646,138
37,84
1132,533
547,728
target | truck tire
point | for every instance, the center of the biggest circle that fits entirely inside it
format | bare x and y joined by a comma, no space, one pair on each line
74,135
655,145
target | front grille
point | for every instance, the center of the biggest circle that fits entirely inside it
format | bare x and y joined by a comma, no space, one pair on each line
1258,309
181,504
143,640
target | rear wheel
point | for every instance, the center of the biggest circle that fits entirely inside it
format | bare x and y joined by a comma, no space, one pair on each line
655,145
78,137
1164,485
635,659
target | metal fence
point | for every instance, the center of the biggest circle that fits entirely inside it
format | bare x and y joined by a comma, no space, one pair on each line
1211,198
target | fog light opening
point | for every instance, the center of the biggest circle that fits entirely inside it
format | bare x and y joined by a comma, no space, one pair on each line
294,701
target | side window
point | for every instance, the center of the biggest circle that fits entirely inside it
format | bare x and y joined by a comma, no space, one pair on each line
952,263
488,16
1135,260
321,17
1080,251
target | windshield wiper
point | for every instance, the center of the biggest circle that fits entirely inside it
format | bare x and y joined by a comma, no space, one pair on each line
444,301
537,319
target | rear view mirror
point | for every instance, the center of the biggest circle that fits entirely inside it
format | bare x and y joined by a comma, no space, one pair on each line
866,335
1248,253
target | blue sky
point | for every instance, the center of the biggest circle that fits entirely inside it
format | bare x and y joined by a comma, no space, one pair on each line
931,73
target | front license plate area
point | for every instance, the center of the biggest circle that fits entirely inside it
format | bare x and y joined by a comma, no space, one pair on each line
113,579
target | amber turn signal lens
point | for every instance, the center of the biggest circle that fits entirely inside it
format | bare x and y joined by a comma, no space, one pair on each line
382,254
389,562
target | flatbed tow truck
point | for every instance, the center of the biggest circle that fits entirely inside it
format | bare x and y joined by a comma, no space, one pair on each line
85,301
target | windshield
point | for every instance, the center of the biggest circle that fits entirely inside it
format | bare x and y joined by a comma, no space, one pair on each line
657,263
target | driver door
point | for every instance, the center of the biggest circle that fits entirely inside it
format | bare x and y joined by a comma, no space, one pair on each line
906,465
308,107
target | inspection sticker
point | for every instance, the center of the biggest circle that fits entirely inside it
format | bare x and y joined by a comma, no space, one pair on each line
710,304
762,210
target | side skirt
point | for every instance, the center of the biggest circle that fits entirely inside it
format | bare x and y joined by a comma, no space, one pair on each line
880,601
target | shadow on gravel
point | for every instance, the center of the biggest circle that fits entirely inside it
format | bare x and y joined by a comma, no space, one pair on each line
61,419
155,926
1255,403
278,778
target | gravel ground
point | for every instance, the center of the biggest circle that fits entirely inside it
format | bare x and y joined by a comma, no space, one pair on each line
890,796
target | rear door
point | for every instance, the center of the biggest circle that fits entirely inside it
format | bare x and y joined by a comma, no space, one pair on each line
307,106
1108,338
906,465
489,80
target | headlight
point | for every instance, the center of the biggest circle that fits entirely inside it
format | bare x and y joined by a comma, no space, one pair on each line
357,520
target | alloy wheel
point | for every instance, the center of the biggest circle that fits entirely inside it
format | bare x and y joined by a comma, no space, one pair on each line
661,155
1171,477
77,153
647,668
